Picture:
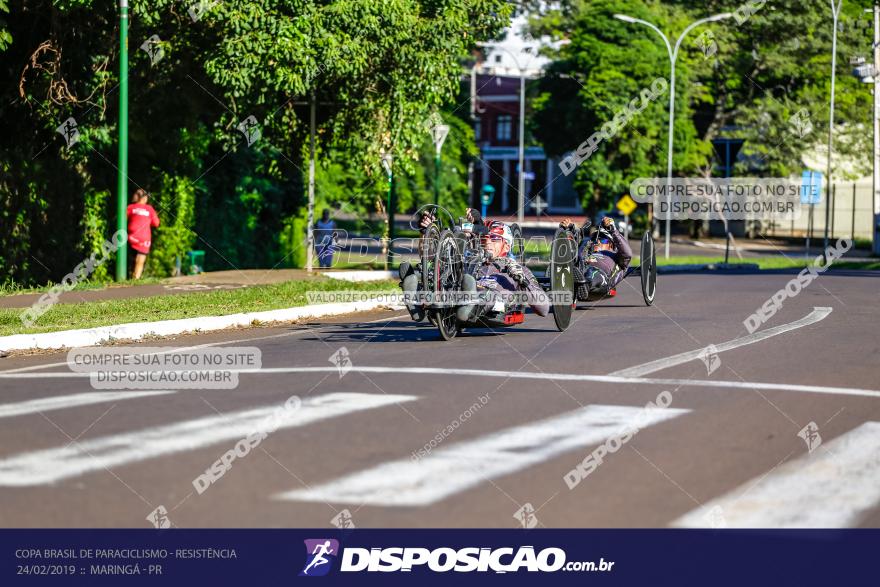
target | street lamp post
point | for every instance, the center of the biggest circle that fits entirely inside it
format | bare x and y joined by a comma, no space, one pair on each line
522,133
673,56
122,179
875,119
835,13
387,164
870,73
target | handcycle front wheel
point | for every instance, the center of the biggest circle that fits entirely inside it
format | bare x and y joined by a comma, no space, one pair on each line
447,277
563,255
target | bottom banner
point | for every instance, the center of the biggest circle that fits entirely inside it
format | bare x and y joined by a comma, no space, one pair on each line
437,557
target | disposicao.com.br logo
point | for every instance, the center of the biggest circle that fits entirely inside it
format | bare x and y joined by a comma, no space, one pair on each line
442,560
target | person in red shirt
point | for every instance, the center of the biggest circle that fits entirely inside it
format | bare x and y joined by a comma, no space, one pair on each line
142,218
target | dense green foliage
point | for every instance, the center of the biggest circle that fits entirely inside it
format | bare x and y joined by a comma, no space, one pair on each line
757,71
377,69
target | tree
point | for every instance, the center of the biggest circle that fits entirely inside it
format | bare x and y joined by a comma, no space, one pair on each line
378,69
749,77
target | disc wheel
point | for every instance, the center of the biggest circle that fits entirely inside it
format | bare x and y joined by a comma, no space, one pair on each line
447,278
648,269
519,245
563,253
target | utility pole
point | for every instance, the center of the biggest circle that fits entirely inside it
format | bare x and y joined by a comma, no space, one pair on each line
876,120
835,12
521,186
310,232
122,164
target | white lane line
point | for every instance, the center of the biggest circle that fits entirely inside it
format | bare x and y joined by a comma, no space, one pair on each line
51,465
452,469
517,375
818,313
47,404
218,343
833,487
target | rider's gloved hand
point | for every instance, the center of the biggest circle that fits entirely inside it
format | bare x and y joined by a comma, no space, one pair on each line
426,220
473,215
608,224
515,270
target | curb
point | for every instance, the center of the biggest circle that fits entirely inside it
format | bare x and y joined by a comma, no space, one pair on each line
360,276
138,330
729,267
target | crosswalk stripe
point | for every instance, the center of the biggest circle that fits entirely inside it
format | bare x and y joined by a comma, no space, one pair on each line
832,487
451,469
61,402
50,465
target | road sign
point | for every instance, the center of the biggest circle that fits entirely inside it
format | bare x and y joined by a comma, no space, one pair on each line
811,187
438,134
626,205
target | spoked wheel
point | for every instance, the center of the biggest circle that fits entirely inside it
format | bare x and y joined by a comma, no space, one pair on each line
563,254
428,254
447,278
648,269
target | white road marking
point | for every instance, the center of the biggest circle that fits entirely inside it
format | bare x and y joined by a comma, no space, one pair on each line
818,313
61,402
833,487
210,344
516,375
51,465
448,470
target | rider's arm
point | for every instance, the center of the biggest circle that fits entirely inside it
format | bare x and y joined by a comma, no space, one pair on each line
624,252
538,300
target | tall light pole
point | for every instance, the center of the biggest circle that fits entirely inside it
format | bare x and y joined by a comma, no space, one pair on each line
870,73
521,181
835,13
122,163
875,119
673,55
310,216
388,166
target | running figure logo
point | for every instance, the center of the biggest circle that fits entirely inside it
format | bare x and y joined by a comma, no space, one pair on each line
320,553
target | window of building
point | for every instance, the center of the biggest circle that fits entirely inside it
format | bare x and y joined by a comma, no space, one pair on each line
504,129
478,129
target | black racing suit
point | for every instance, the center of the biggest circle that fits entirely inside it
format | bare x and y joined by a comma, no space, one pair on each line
495,275
603,269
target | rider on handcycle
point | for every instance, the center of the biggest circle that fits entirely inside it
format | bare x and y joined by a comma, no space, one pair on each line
494,272
603,257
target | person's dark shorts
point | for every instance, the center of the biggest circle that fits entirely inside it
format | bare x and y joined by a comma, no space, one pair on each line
132,252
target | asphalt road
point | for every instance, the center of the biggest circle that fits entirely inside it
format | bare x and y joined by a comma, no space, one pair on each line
725,452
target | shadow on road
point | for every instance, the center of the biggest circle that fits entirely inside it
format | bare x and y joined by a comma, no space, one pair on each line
406,331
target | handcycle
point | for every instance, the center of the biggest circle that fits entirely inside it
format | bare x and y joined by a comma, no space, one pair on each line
566,244
450,249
